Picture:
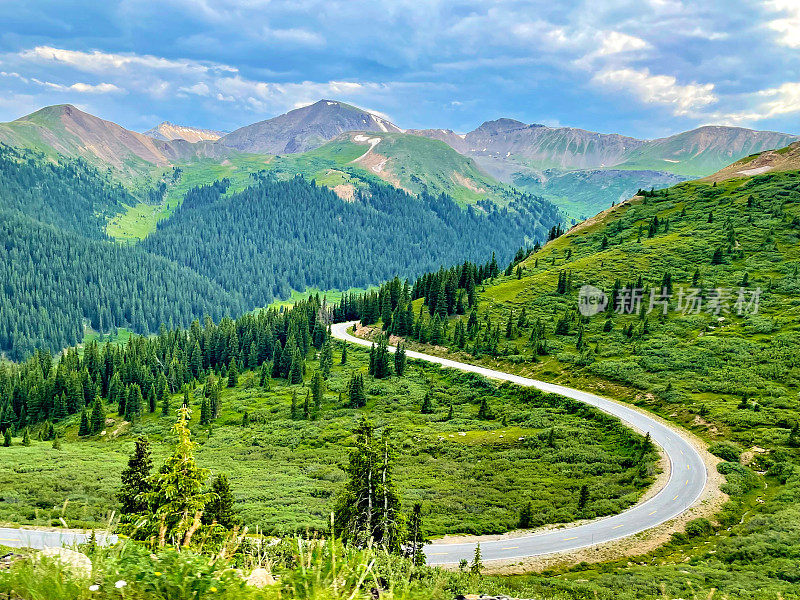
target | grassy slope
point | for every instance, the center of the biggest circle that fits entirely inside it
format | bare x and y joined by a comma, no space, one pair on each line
285,473
732,380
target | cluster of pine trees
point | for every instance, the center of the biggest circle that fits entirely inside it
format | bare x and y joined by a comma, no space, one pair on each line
141,375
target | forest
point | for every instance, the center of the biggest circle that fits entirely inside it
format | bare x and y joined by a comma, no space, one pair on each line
220,254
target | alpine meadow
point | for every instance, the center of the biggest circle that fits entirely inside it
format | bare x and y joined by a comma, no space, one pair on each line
526,328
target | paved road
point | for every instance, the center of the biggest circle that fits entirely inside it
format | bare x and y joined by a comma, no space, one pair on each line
684,487
36,538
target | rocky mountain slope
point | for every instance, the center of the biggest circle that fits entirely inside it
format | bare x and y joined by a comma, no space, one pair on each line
304,128
170,131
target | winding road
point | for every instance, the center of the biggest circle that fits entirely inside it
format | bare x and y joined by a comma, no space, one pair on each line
687,478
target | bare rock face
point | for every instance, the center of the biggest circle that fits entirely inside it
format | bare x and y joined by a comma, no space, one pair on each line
75,562
260,578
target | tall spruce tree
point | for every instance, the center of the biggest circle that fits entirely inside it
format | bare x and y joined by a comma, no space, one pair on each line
98,420
83,429
220,508
135,479
400,359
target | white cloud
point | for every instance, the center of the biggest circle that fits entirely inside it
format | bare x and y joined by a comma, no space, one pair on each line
104,62
615,42
301,37
765,104
198,89
659,89
788,25
81,88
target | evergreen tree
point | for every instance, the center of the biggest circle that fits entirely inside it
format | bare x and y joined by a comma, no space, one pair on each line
176,500
56,442
26,437
135,479
317,389
7,438
165,401
450,413
265,379
526,516
296,369
233,373
326,359
344,353
381,365
400,360
246,419
427,404
368,510
151,398
307,406
83,429
133,405
483,410
205,412
295,414
98,420
416,538
355,388
220,508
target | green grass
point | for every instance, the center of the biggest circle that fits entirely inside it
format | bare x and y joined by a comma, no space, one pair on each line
285,473
332,296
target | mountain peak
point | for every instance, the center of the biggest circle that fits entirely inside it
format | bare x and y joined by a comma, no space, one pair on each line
167,131
305,128
500,125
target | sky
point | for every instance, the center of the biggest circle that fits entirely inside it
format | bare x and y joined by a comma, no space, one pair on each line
644,68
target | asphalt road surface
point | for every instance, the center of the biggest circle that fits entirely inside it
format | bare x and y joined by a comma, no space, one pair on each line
685,485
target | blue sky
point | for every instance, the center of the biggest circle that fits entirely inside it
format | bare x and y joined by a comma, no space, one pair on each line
645,68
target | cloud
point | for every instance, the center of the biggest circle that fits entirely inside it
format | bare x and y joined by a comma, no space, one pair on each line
765,104
81,88
104,62
615,42
659,89
301,37
787,26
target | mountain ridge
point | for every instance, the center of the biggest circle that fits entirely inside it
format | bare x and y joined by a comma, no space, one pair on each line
167,131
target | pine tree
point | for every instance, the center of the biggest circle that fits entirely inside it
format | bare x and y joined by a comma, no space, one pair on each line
83,429
177,500
98,420
344,353
56,442
296,369
151,398
358,397
7,438
220,508
400,359
265,380
416,539
26,438
317,389
205,412
427,404
526,516
326,359
133,405
368,510
450,413
483,410
135,480
233,373
306,406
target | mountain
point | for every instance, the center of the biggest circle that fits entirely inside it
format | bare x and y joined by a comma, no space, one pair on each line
771,161
304,128
169,131
582,171
409,162
704,150
66,130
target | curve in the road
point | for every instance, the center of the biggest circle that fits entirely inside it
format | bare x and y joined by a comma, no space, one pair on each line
687,477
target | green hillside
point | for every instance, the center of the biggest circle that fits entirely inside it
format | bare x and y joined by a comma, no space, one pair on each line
726,369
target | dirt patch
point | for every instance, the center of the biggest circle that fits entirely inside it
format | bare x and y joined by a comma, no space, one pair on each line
345,191
467,183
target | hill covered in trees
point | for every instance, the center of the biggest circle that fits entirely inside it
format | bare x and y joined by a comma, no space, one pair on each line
220,254
281,235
